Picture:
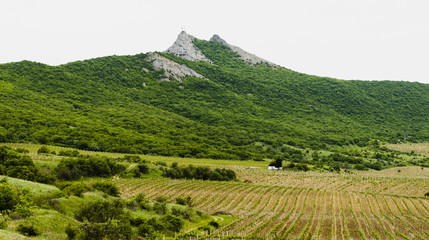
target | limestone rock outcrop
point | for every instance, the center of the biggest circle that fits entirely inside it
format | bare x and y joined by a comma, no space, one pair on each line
184,47
249,58
172,70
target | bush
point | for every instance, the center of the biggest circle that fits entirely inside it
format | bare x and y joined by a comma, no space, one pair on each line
184,201
197,172
100,211
43,150
89,166
143,168
8,197
167,224
4,220
427,194
74,188
107,187
28,229
14,165
23,208
104,219
160,208
69,153
71,232
161,199
112,229
214,224
22,150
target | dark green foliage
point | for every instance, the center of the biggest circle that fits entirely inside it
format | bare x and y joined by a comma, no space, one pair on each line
22,150
8,197
112,229
43,150
71,232
107,187
161,199
166,224
100,211
69,153
427,194
14,201
238,112
278,162
143,168
297,167
214,224
199,172
4,221
160,208
184,201
28,229
89,166
103,219
73,188
14,165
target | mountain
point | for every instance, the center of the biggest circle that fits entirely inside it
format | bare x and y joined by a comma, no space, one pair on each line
202,99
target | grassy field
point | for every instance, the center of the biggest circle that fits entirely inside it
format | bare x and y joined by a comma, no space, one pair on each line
32,148
418,148
387,204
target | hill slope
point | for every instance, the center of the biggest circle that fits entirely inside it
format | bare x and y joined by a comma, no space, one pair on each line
220,107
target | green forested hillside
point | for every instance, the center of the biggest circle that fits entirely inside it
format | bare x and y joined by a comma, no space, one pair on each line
238,111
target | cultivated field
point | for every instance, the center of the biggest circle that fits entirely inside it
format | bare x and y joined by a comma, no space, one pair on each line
388,204
297,212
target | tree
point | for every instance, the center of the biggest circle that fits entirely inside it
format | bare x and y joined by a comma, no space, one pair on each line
8,197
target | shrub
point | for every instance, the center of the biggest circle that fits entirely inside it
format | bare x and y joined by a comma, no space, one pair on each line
107,187
28,229
161,199
100,211
112,229
22,150
104,219
89,166
23,208
8,197
69,153
197,172
427,194
71,232
74,188
167,224
160,208
184,201
4,220
214,224
43,150
143,168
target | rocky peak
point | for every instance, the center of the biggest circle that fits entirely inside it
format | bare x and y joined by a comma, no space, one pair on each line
184,47
245,56
216,38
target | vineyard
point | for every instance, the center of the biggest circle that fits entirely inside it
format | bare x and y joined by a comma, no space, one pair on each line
265,204
297,212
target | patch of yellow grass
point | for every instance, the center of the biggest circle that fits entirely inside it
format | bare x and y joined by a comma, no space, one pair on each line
418,148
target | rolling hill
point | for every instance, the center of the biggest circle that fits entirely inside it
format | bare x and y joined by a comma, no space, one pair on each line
202,99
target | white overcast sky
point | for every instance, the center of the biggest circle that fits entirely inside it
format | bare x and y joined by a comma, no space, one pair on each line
359,39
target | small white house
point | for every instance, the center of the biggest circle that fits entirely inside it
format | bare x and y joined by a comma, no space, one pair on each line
274,168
